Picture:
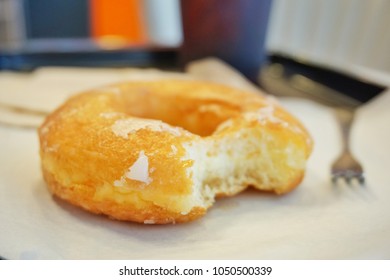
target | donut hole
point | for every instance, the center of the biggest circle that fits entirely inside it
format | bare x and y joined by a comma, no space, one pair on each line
199,116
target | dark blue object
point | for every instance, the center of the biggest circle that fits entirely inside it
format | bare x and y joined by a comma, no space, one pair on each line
57,18
142,57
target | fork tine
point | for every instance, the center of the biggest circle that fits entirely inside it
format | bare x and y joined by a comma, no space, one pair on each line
349,179
338,179
361,180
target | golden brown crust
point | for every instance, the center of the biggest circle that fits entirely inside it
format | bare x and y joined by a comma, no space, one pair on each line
151,214
99,152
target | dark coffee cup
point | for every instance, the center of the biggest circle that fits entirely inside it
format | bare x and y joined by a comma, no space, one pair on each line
232,30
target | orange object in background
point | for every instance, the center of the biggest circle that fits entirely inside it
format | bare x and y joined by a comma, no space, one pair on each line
117,23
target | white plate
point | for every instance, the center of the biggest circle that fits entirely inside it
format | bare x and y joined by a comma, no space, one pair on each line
315,221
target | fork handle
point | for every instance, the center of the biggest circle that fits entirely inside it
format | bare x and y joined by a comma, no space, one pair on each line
345,118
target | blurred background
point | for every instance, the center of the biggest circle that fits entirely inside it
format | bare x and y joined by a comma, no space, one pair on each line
312,35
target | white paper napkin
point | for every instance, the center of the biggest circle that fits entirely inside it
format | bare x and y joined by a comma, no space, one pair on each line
315,221
47,88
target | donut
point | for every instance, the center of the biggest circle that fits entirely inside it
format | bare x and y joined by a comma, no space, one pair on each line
158,152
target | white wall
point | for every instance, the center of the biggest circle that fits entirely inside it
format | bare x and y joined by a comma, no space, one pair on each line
336,33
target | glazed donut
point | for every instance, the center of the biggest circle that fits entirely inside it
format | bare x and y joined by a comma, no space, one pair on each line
158,152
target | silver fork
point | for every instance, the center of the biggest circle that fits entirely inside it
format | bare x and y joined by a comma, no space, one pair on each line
346,167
